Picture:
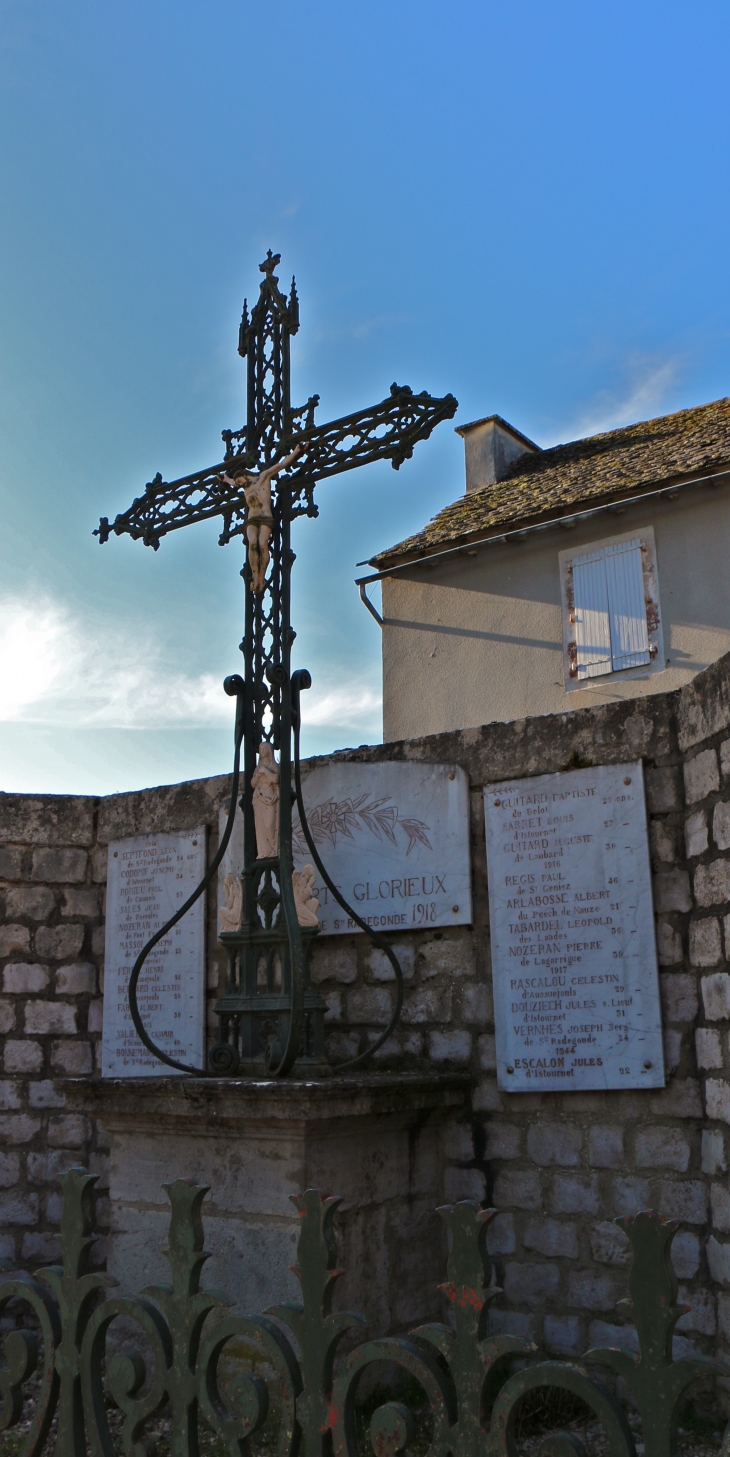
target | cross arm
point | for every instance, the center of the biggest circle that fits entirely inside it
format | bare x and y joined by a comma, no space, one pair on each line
166,506
387,431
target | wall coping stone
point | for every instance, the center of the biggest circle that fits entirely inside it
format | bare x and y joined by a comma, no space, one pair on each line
47,819
703,707
226,1102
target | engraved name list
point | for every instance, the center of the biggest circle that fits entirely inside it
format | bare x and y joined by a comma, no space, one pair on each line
573,948
149,877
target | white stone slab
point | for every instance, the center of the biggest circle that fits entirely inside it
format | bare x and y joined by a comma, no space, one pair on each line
394,838
148,877
576,989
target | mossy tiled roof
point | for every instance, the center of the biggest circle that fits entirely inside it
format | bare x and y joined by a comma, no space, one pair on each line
568,477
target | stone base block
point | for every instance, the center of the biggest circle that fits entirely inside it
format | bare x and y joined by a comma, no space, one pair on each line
380,1142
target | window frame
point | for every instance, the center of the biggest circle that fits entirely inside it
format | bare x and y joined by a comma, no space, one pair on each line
657,662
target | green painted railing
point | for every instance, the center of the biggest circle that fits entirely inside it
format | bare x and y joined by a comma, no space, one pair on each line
185,1333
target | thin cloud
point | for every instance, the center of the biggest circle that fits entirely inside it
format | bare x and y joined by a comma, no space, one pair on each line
344,707
55,669
650,386
378,322
373,325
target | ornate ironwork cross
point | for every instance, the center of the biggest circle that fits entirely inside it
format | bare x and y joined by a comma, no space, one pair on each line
269,1016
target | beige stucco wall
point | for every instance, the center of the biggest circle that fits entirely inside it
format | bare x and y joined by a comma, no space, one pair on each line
479,639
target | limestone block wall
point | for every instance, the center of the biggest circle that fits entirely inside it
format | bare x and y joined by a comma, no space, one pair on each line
558,1167
51,952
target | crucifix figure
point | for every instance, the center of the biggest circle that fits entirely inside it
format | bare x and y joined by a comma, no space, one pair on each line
259,514
269,1015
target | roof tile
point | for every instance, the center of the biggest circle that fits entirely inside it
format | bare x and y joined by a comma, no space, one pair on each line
564,477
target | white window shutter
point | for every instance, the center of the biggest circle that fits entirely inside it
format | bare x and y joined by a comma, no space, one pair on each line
591,615
627,606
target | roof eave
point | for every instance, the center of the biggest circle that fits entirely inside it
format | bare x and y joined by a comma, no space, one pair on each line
386,559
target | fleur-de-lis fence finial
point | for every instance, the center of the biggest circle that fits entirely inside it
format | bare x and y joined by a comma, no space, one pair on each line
317,1328
656,1381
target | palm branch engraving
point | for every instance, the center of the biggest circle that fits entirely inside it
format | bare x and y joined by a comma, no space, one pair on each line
334,819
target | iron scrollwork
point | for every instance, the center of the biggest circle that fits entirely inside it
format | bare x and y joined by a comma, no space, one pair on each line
269,1015
459,1367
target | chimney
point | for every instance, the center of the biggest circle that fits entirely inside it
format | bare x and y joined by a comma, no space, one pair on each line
490,446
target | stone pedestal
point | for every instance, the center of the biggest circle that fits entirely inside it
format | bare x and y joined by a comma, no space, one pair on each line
380,1142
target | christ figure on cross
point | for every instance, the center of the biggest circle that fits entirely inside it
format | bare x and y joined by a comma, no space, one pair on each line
259,515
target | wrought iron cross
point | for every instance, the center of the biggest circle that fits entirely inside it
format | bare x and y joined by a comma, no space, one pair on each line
269,1016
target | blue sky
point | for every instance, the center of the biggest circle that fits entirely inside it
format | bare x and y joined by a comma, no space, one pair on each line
525,204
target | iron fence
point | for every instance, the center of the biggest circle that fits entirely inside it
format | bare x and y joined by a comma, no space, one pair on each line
467,1377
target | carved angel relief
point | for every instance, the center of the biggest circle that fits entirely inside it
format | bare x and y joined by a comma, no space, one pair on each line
229,916
304,898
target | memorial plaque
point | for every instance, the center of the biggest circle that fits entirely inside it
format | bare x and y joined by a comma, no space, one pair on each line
394,839
149,877
576,989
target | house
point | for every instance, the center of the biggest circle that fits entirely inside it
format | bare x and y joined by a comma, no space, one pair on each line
577,575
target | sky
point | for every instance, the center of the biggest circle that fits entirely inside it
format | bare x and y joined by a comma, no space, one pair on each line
523,204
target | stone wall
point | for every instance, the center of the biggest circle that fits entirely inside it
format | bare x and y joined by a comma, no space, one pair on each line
51,945
559,1167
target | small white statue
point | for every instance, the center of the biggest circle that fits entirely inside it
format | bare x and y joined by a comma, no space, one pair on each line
229,915
265,785
304,898
259,515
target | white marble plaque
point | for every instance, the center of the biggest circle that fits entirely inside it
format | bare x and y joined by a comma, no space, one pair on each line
148,878
576,990
395,841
